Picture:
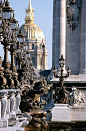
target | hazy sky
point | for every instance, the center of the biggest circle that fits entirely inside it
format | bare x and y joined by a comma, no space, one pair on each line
43,13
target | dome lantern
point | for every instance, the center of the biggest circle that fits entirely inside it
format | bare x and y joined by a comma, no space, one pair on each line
29,14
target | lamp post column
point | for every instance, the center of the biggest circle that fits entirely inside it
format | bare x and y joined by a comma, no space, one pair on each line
12,62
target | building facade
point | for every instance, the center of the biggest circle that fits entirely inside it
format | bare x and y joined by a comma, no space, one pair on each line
34,37
69,34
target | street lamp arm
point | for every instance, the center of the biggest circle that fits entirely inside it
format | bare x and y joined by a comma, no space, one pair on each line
66,76
55,72
56,75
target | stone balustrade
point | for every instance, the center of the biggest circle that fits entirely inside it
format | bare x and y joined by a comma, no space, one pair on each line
3,103
9,109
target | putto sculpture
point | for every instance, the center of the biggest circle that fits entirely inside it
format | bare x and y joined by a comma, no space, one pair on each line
30,103
75,97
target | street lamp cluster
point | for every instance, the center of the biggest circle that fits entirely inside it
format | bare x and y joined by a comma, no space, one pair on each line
15,43
26,69
61,75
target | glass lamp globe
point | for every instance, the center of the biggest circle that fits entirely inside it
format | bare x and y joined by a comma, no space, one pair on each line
61,61
20,37
68,70
14,25
19,51
8,13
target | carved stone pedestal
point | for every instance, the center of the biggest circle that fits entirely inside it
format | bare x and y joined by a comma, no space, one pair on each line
61,113
18,100
3,106
12,113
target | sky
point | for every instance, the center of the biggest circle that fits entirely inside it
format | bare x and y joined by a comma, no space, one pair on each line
43,13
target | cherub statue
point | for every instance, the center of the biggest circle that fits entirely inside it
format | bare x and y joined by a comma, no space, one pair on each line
30,105
61,95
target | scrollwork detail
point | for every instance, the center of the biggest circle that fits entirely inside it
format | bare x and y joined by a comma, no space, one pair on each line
73,13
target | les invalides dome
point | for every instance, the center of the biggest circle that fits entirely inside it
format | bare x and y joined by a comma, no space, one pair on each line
35,40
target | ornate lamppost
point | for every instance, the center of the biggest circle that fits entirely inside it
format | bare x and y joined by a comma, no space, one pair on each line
6,16
26,68
20,38
8,38
61,75
14,27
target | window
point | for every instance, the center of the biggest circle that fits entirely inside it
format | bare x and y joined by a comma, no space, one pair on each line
40,46
32,46
33,60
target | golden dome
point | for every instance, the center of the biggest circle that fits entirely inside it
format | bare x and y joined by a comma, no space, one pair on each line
30,30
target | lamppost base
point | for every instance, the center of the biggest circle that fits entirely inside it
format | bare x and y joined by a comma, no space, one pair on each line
61,113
